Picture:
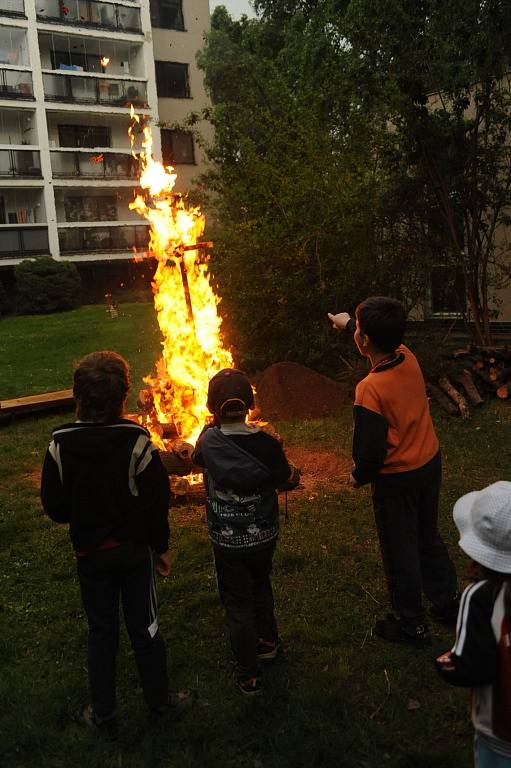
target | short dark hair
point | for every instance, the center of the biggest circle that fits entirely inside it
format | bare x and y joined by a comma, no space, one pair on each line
100,386
383,320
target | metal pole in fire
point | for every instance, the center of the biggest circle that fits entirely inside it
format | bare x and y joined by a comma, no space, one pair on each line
179,254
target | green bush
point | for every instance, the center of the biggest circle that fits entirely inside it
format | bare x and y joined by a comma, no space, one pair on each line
45,285
5,304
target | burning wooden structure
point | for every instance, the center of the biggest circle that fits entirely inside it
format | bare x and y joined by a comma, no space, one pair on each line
173,405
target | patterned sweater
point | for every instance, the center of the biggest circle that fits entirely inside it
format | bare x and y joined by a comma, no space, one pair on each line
243,467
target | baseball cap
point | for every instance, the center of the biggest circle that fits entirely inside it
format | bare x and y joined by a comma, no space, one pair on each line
484,522
230,392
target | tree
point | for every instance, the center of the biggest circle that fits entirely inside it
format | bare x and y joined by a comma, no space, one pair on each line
437,73
293,183
45,285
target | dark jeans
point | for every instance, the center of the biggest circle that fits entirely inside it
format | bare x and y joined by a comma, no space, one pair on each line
414,555
246,594
125,572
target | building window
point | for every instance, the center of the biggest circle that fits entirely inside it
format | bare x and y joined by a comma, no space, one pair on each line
167,14
100,208
89,136
177,148
172,80
447,291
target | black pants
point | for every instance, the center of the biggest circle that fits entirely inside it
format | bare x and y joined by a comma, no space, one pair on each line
246,594
125,572
414,555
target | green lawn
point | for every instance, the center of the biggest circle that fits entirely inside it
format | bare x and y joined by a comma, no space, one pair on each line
338,698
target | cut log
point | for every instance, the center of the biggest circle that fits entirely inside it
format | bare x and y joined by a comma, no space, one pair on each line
183,449
455,396
504,391
465,352
442,400
47,400
145,400
184,492
465,380
175,465
166,430
484,379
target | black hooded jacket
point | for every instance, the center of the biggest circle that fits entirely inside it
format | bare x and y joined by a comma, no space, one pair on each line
107,481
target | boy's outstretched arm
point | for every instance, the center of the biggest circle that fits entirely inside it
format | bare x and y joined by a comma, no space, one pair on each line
342,321
53,497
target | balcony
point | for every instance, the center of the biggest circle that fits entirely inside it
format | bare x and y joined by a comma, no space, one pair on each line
14,8
79,89
16,84
104,239
20,164
89,13
94,165
19,242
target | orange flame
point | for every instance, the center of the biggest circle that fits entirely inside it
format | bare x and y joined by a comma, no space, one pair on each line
186,305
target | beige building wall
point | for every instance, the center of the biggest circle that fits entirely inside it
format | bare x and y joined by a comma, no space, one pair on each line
181,47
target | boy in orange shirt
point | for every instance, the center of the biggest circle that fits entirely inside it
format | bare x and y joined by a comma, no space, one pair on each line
395,448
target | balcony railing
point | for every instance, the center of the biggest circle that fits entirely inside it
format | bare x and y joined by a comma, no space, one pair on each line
20,163
15,84
88,165
23,241
89,13
12,8
77,89
103,239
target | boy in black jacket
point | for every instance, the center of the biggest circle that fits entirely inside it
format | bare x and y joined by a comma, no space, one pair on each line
243,468
104,477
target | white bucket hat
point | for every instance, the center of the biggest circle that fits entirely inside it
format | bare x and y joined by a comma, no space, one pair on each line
484,522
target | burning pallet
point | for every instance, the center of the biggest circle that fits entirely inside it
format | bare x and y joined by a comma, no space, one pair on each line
472,374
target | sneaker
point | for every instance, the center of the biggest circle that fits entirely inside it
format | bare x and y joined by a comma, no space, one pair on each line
249,686
448,614
268,650
178,705
394,631
107,727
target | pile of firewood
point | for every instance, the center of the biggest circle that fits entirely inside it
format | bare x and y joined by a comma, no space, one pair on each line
471,375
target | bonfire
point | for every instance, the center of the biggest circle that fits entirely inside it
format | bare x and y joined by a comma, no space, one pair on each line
184,299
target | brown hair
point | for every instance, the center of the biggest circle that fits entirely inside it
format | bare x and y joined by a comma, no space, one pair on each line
100,386
382,319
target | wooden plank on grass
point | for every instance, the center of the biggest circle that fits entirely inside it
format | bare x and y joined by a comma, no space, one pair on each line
45,401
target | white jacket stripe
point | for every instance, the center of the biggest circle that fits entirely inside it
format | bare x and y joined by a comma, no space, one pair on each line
54,451
461,626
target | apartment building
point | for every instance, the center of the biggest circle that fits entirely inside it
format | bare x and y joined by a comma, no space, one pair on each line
69,71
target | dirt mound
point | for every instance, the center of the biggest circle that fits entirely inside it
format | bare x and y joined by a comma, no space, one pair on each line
291,391
319,467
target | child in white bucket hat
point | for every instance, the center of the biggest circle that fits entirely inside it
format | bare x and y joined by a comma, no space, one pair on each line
481,655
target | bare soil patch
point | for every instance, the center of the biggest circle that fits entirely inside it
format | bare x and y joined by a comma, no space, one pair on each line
288,391
320,467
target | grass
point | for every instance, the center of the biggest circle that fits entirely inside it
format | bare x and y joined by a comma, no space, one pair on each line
339,698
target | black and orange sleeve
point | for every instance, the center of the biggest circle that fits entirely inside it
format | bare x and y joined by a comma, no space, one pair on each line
369,444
